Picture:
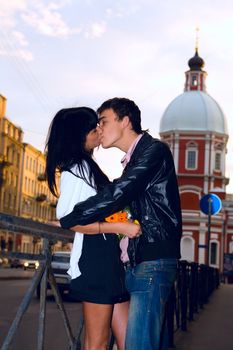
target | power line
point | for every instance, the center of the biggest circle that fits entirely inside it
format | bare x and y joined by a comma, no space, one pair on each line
13,53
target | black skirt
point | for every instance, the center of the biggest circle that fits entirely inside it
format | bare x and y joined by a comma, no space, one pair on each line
102,279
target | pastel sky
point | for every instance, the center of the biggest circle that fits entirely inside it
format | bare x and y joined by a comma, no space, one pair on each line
56,54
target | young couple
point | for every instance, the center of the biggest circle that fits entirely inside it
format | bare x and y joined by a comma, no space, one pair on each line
148,186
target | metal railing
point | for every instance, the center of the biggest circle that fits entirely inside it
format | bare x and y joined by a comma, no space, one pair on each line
194,285
44,274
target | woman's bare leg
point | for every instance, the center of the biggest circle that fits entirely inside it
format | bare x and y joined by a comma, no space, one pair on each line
119,323
97,323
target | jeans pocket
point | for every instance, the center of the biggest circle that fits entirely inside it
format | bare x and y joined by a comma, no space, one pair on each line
164,290
138,282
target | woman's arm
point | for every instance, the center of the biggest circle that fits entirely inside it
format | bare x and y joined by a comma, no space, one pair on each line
127,228
72,190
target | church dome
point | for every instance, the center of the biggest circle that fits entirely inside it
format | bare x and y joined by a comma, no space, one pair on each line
196,62
194,111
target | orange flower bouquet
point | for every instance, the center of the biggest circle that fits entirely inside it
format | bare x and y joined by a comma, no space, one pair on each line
121,216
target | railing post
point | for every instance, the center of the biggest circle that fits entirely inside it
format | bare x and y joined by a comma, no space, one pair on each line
23,307
50,234
183,295
192,290
43,294
60,305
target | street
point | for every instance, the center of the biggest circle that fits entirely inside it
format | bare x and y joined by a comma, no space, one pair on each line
11,295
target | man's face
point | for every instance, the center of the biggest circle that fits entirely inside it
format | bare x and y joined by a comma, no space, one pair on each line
111,129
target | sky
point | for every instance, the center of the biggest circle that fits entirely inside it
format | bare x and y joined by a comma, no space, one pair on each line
65,53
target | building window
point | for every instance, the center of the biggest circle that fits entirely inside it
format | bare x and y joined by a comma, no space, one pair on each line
8,153
9,200
12,179
191,157
194,80
191,160
33,186
18,160
16,180
187,248
25,183
231,248
217,164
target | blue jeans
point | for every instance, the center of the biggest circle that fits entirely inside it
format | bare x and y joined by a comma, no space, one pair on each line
149,285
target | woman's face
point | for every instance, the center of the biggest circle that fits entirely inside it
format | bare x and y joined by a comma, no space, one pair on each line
92,140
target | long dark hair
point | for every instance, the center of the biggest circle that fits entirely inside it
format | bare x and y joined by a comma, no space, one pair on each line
65,146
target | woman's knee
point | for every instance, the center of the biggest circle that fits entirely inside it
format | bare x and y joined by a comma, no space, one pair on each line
97,323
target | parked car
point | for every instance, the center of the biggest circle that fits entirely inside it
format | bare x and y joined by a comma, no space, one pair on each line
16,263
31,264
4,261
60,264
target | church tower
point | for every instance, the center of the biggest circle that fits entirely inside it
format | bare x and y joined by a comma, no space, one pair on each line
195,127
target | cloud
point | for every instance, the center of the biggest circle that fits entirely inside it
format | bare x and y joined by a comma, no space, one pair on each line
44,18
20,38
48,21
15,45
122,9
9,7
96,30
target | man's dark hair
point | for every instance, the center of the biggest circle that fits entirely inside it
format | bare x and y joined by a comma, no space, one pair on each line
124,107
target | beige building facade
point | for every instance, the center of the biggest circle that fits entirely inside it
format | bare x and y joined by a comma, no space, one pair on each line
23,189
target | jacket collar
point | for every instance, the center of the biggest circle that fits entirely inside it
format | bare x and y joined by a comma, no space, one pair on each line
142,143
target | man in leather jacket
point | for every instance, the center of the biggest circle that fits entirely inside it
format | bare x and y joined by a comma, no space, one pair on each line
148,185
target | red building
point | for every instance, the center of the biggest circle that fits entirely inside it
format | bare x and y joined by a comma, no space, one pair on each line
195,127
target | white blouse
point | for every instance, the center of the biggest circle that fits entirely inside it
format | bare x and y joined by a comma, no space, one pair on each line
73,190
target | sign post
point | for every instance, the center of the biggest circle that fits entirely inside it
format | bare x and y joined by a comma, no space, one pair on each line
210,204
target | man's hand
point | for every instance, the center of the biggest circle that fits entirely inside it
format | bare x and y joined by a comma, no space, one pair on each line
130,229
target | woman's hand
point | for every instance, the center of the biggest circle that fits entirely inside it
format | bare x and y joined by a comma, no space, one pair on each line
130,229
54,223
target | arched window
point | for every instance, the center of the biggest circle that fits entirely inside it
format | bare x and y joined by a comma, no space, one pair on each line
191,156
194,80
187,248
231,247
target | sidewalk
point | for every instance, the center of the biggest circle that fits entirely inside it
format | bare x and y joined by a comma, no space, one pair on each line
213,325
6,273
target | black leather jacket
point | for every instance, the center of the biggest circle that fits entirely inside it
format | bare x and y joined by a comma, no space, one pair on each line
149,187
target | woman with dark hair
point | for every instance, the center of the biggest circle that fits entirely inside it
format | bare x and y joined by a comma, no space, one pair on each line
97,274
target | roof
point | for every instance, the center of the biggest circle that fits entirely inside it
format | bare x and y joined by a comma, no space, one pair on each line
194,111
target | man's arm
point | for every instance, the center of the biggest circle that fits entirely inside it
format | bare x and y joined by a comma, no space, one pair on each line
128,228
118,194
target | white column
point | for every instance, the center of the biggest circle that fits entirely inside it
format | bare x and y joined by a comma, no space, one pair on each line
206,165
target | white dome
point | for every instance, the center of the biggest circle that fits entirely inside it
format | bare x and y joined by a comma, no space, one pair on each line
194,111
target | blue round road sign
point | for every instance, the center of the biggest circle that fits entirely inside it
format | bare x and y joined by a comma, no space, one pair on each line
210,202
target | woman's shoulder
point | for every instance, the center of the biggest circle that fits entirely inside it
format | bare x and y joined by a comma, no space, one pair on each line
78,170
